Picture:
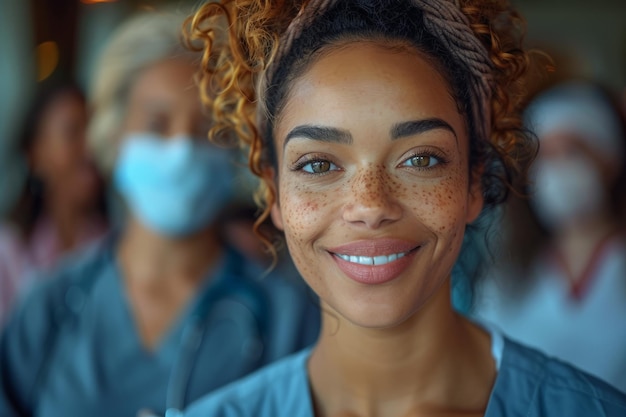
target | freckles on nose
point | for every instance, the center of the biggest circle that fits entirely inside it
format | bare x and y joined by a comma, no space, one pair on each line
374,184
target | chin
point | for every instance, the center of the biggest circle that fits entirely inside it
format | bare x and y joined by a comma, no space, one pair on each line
368,315
388,309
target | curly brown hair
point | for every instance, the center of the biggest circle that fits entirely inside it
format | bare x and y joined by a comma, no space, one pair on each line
240,40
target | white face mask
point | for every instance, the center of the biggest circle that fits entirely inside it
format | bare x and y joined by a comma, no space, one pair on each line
176,186
566,191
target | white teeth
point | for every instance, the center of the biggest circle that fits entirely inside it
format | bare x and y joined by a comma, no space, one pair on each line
367,260
379,260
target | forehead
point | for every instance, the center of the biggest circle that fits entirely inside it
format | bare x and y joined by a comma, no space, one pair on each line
167,81
381,80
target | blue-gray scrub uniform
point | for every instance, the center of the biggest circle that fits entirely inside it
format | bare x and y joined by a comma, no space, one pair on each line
71,348
528,385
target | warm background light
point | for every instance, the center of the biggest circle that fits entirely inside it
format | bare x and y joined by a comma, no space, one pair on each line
97,1
47,54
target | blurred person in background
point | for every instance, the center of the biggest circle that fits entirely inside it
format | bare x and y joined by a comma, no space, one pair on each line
61,206
565,290
164,311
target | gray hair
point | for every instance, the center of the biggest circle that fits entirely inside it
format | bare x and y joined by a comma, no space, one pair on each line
143,40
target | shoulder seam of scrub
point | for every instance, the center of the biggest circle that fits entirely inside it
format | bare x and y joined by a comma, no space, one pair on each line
585,388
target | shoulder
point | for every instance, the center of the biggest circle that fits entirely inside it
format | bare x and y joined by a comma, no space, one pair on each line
269,278
283,292
543,386
12,262
283,287
10,240
293,314
45,302
29,336
8,232
80,266
250,282
615,250
277,390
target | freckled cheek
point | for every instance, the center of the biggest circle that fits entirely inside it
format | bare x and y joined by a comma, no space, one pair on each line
303,211
305,215
441,206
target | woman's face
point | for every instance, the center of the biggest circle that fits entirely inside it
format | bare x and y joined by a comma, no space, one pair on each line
58,155
567,168
373,168
173,180
563,146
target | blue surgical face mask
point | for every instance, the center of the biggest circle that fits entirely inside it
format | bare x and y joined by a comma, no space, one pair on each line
176,186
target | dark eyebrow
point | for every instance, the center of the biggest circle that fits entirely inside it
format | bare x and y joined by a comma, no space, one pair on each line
324,134
415,127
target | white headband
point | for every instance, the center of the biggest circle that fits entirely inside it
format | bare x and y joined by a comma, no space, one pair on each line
582,110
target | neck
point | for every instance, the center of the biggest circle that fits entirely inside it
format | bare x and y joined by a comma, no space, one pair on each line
68,221
434,361
150,258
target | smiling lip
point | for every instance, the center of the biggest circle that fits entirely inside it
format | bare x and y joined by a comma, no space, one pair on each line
374,261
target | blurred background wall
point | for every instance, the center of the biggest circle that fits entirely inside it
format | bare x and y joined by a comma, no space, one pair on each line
61,38
585,38
42,39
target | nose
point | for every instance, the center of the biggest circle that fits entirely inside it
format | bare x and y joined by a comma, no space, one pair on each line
184,125
371,201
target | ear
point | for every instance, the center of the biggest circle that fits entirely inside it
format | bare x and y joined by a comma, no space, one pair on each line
475,199
269,178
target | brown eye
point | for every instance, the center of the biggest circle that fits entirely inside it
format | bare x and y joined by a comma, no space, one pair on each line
317,167
420,161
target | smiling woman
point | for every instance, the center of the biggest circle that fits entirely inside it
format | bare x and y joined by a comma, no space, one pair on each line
381,130
362,191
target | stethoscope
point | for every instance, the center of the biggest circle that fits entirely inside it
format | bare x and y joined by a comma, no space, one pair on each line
243,301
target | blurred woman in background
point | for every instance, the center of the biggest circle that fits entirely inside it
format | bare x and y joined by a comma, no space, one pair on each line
164,311
565,291
61,206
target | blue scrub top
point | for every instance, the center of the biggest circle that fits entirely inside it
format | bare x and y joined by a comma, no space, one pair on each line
528,385
71,348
